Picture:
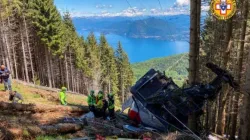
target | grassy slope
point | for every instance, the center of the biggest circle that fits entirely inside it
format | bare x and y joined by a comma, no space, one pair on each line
175,66
37,96
34,95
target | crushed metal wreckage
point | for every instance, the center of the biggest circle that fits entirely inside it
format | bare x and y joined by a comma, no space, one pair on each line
162,105
158,105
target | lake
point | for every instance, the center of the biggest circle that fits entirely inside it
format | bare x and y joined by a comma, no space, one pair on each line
142,49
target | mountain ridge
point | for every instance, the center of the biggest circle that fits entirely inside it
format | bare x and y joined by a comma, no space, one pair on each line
159,27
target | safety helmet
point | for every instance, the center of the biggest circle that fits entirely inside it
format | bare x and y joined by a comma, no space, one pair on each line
100,96
92,92
110,95
64,89
100,92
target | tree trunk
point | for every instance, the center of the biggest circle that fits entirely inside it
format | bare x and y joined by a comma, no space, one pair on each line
244,130
194,53
39,108
8,49
15,62
51,69
122,84
61,128
71,71
240,64
220,125
28,45
62,81
67,71
48,66
2,49
5,41
24,59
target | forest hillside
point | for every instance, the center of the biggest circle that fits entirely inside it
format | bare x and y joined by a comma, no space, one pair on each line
40,46
174,66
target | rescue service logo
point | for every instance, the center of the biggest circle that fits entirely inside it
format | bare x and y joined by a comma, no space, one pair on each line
223,9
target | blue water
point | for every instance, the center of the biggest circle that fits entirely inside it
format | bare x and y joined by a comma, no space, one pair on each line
140,50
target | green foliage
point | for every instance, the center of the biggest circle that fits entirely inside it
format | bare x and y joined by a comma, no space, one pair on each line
73,43
47,22
174,66
36,80
125,73
92,54
108,66
50,138
8,7
26,133
36,96
98,63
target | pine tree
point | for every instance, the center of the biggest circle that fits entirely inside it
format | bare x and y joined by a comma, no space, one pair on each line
105,62
125,75
47,22
92,53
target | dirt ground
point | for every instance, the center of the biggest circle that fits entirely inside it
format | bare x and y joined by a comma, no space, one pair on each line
15,125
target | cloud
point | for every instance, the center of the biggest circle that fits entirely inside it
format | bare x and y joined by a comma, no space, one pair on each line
103,6
134,11
179,7
129,12
182,2
80,14
153,11
174,10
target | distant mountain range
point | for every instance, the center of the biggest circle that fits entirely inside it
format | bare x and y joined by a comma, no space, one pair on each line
161,27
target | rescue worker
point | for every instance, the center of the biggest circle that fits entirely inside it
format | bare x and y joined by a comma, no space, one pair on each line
15,97
111,105
62,96
91,101
99,105
5,77
100,93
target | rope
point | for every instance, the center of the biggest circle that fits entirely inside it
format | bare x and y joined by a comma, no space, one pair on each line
134,11
176,62
181,123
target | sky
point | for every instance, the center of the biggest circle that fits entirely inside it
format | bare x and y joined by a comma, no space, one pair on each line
109,8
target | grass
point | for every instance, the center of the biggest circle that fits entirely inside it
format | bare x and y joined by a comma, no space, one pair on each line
26,133
50,138
37,96
34,95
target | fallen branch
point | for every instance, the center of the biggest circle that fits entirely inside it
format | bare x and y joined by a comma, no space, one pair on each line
39,108
61,128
